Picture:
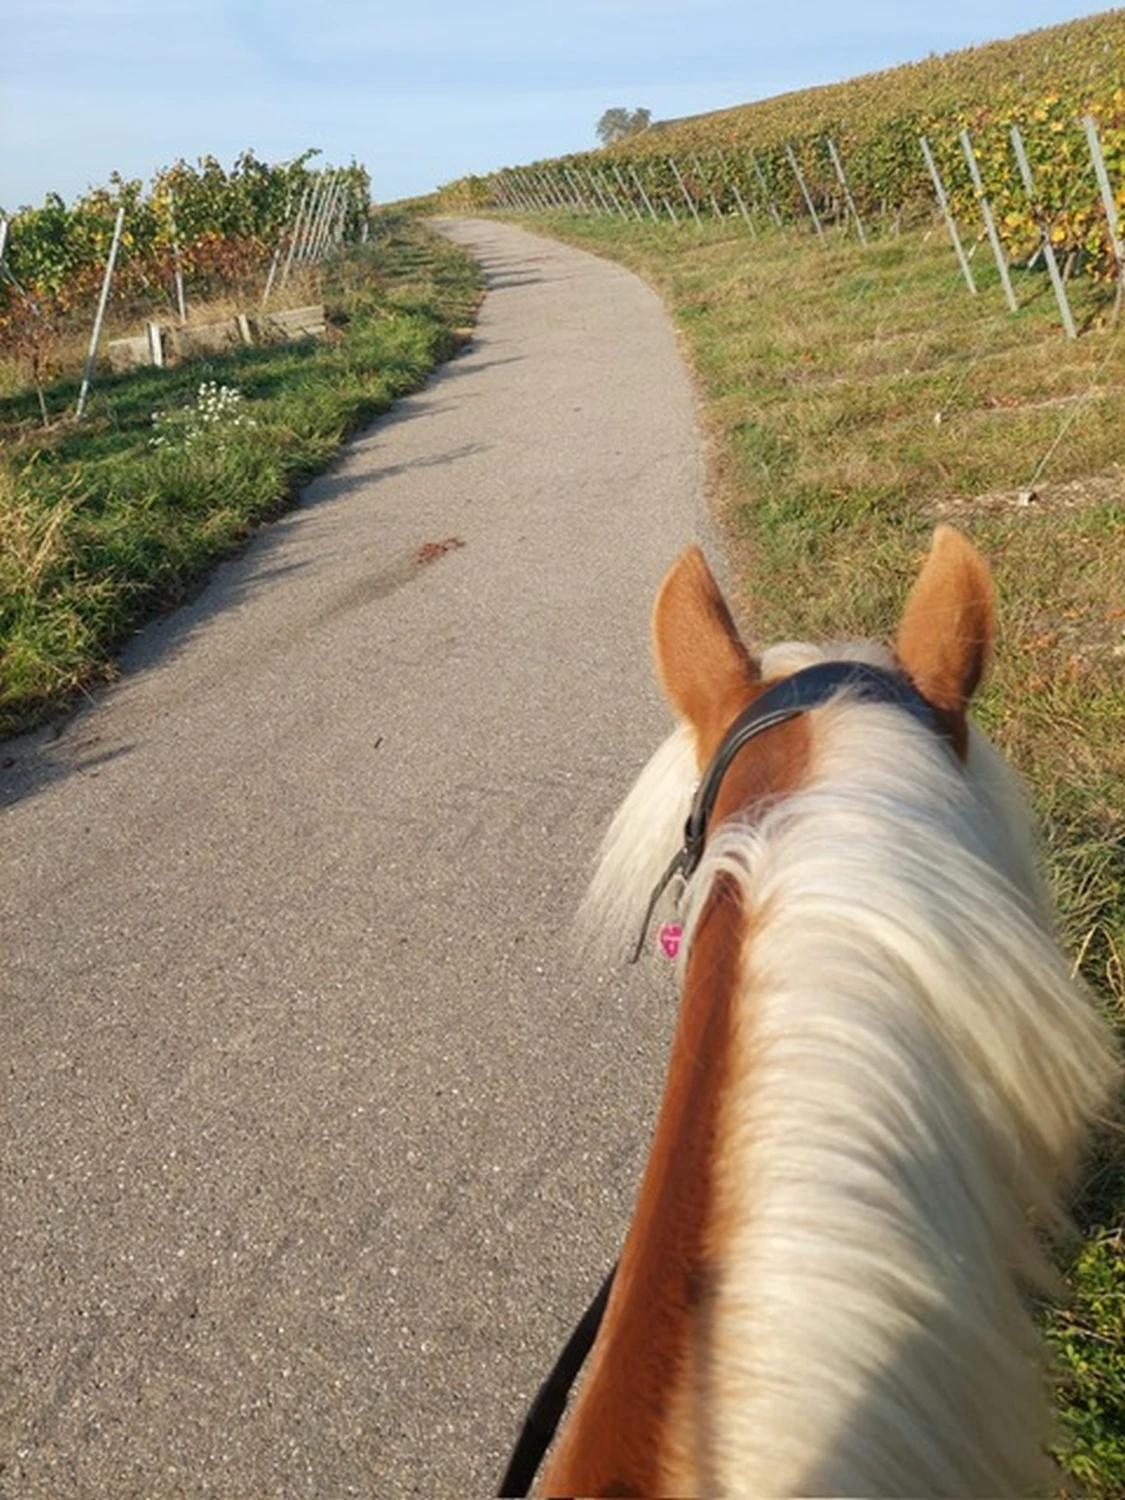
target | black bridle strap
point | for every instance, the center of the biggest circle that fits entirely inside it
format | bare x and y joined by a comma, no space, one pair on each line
810,688
785,699
547,1408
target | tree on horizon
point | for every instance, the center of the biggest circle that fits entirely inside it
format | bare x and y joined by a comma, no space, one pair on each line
615,124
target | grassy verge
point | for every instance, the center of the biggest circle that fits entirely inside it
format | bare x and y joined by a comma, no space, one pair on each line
853,398
104,524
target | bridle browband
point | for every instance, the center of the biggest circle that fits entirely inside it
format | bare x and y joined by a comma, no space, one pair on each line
812,687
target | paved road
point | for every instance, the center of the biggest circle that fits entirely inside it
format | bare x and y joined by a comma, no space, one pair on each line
317,1134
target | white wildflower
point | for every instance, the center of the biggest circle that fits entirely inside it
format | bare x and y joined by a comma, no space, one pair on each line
217,410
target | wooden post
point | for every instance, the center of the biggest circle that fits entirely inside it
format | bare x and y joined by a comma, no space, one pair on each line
155,344
274,263
546,202
311,227
663,202
334,219
543,197
556,198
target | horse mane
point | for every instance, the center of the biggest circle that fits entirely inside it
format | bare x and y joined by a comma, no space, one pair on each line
917,1075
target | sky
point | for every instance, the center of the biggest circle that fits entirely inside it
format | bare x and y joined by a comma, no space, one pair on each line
422,91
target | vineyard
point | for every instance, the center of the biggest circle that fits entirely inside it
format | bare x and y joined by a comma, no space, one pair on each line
199,231
852,151
107,521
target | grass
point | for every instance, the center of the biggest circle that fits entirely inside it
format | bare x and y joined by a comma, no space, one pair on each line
850,400
101,527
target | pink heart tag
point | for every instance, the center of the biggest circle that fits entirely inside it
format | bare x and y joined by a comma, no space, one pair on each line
669,936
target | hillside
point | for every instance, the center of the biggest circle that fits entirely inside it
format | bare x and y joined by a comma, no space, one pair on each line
1084,59
741,160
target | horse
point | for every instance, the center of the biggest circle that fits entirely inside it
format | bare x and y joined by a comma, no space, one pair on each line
882,1082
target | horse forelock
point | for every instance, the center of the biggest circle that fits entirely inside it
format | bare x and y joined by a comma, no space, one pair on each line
648,827
638,846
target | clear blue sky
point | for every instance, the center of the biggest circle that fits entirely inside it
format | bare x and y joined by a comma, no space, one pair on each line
421,91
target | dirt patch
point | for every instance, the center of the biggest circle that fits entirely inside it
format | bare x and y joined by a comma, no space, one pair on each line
1045,499
1071,640
429,552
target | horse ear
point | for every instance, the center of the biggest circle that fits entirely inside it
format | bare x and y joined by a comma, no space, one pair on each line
706,672
949,622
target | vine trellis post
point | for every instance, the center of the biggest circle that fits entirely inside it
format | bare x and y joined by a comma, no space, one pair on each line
947,214
1045,231
791,154
688,199
989,222
848,199
1109,203
99,318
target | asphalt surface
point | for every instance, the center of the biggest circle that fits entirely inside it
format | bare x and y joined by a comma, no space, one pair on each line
318,1132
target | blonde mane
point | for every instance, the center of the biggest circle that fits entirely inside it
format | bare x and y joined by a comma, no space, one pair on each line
914,1072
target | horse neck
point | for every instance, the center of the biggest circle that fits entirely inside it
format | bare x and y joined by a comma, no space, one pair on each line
628,1415
818,1293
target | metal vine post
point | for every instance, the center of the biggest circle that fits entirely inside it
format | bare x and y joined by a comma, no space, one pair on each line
1045,231
103,299
989,222
947,214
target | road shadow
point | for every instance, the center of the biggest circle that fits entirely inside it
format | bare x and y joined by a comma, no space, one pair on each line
501,280
33,762
72,742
